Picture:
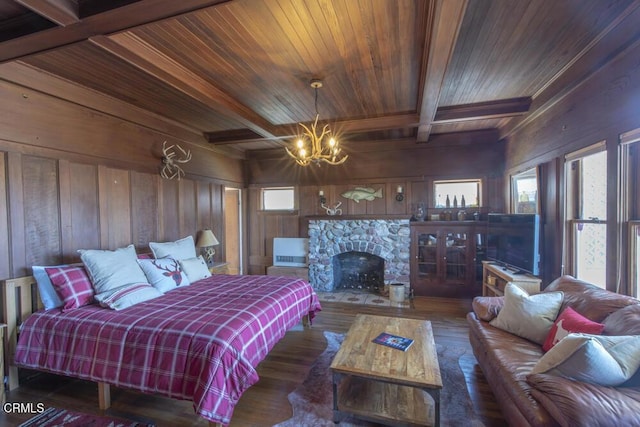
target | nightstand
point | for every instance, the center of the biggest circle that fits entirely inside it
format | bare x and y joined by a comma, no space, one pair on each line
219,268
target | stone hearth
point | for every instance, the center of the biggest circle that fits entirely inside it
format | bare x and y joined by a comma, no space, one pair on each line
388,239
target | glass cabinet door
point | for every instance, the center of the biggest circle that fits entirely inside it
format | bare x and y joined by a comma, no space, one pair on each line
427,255
456,250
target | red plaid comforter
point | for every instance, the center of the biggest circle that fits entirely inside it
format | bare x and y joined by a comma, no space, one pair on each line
200,342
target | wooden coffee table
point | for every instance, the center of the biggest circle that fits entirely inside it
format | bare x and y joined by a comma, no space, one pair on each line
384,385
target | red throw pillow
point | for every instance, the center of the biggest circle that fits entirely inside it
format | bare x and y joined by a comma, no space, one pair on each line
72,285
567,322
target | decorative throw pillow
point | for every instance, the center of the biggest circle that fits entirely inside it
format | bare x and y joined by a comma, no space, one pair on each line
109,270
528,316
597,359
570,321
72,285
127,296
196,268
183,248
47,293
163,274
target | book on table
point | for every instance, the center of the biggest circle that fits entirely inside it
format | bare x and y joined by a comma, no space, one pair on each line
393,341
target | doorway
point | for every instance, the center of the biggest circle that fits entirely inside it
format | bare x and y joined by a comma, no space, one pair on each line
233,229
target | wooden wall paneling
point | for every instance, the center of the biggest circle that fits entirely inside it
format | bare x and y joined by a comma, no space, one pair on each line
16,215
217,218
309,200
41,211
204,205
5,266
394,207
377,206
419,193
115,207
187,208
144,208
79,208
170,210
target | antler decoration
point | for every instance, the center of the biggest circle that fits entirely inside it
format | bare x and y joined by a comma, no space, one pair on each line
171,169
334,210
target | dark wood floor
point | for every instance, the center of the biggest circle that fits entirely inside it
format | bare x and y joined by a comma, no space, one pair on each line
281,372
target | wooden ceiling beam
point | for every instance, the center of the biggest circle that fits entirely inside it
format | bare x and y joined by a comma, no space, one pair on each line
140,54
344,127
440,44
62,12
483,110
119,19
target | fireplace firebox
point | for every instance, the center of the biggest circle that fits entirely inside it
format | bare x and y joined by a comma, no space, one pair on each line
358,271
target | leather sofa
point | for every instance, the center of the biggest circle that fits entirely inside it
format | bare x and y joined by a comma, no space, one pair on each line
548,400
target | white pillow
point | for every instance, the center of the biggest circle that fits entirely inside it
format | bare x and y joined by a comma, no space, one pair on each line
128,295
599,359
164,274
196,268
528,316
180,249
109,270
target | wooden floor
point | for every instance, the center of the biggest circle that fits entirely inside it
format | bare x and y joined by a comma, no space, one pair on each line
281,372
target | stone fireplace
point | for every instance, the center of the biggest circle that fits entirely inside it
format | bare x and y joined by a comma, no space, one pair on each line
339,252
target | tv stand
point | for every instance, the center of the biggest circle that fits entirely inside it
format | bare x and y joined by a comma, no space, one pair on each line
495,278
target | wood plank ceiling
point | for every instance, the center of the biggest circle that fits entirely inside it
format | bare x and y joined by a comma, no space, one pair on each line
237,72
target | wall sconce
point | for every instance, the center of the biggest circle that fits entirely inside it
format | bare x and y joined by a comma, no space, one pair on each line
206,241
400,193
323,200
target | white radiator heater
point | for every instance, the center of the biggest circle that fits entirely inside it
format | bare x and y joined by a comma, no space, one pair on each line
290,251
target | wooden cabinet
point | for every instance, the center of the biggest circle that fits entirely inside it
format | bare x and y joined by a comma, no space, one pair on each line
219,268
299,272
495,278
444,258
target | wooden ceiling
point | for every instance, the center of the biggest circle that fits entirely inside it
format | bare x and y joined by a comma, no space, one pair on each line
237,72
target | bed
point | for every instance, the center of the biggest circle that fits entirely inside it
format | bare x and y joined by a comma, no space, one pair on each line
200,342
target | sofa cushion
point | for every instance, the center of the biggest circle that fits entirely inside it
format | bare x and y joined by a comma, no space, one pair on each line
487,308
625,321
573,403
592,302
597,359
567,322
528,316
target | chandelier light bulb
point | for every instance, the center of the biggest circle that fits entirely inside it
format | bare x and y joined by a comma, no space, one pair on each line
332,142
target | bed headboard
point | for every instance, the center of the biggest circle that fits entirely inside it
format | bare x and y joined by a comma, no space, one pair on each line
19,299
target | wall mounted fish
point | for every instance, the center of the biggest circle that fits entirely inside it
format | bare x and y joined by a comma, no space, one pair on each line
362,193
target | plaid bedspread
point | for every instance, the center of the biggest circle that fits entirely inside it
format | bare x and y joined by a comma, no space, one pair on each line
200,342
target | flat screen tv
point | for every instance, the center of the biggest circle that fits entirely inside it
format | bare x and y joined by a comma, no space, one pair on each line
513,241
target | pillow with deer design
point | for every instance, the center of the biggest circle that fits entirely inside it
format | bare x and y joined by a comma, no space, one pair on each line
570,321
164,274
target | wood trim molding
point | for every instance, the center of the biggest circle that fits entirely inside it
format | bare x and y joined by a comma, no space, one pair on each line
62,12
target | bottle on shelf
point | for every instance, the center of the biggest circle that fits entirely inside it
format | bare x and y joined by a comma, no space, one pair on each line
463,204
448,202
455,201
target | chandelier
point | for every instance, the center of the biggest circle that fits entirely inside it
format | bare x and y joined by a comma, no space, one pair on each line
309,147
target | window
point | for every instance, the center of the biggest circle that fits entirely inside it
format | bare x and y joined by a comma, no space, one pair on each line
629,206
280,198
587,213
524,192
468,189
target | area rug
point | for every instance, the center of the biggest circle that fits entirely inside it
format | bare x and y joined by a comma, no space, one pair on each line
61,417
312,401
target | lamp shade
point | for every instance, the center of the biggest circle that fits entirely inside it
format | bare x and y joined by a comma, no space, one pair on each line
206,239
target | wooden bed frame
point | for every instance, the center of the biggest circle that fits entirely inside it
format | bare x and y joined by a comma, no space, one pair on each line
19,299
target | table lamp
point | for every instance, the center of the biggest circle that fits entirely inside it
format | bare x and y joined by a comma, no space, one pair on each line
207,240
